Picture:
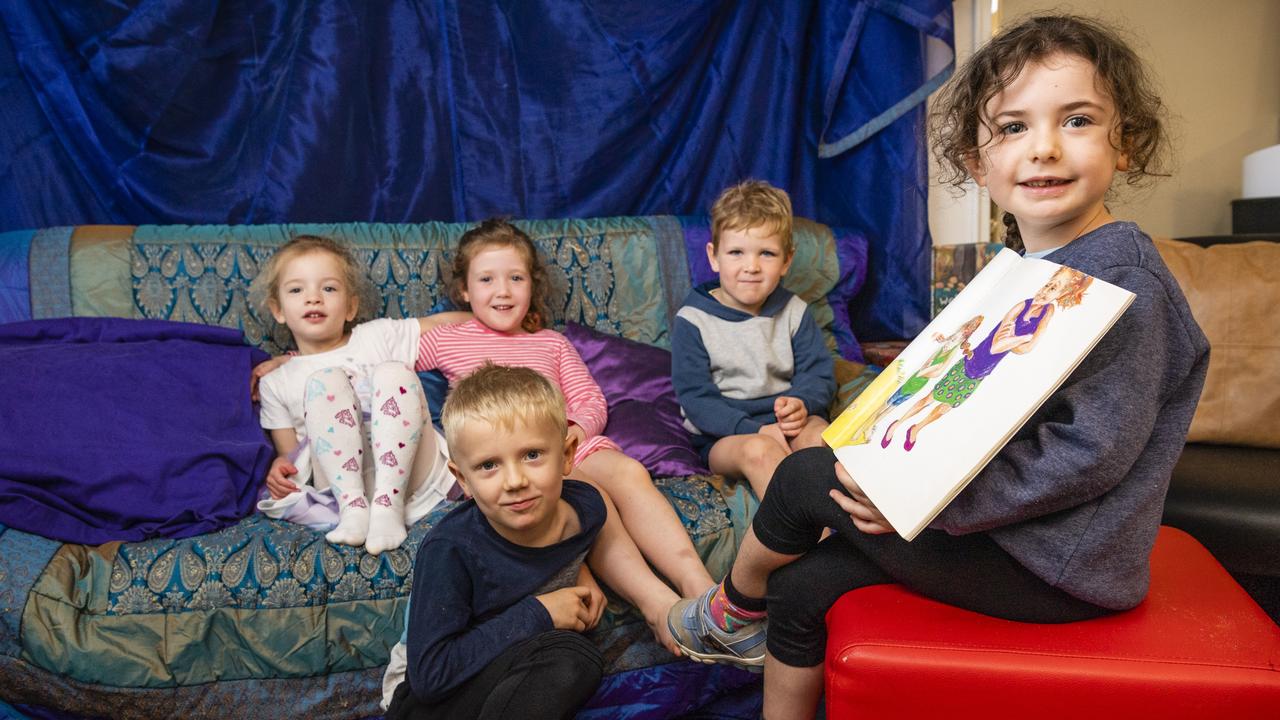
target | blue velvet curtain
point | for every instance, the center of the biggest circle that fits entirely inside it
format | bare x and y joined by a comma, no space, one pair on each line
256,111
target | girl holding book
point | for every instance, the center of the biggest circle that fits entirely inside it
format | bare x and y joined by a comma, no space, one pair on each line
1059,525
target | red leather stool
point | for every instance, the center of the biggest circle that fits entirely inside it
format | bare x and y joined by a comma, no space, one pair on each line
1197,647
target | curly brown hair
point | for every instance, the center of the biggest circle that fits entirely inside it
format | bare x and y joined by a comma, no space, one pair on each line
499,232
960,109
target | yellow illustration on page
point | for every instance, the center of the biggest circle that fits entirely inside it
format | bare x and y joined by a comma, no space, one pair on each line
851,427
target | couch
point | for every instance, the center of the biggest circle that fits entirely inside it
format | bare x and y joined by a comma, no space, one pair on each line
263,618
1226,487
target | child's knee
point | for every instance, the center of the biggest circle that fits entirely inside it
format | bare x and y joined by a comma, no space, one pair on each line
393,372
761,451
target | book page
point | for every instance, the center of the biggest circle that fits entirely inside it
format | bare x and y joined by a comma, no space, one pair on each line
962,388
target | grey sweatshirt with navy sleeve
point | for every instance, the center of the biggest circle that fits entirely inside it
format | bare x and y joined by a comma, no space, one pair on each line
729,366
1077,494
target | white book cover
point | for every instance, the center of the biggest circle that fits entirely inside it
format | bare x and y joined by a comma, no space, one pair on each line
933,419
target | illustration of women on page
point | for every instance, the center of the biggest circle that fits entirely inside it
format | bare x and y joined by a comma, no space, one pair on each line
930,369
1018,332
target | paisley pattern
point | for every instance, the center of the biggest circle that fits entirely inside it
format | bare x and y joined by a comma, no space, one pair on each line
264,563
203,275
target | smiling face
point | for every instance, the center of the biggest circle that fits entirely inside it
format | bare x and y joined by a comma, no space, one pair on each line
499,288
314,301
751,263
515,473
1049,150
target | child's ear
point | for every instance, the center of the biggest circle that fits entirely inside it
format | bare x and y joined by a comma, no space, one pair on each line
353,307
711,257
787,265
570,450
1122,162
973,163
273,305
462,481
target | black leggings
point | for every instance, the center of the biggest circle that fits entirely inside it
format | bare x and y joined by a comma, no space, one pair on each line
547,677
967,571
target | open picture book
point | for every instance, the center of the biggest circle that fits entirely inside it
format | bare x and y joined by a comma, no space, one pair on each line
946,405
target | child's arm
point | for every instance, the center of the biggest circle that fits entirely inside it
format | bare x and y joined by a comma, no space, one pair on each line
584,402
280,476
1088,435
814,380
450,317
698,395
1030,343
447,645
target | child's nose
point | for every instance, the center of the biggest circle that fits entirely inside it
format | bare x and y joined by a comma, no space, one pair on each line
514,479
1046,145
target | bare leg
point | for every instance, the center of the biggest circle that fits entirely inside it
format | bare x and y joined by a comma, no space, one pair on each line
648,518
920,404
616,560
751,568
810,435
790,692
913,432
754,457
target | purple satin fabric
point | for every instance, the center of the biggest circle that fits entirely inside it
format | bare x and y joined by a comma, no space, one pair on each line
126,429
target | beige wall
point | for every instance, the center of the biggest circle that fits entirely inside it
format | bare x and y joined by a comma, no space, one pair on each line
1218,63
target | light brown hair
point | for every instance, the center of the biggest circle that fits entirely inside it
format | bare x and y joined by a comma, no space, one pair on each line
749,204
264,293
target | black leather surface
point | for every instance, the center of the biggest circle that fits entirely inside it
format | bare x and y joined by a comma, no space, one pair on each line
1228,498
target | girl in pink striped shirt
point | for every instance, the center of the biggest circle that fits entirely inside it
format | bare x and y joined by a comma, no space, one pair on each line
498,276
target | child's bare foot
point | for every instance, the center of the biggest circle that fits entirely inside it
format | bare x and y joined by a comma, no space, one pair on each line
658,624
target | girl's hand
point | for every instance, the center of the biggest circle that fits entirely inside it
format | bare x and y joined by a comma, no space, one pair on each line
597,601
278,478
792,415
865,515
569,608
261,369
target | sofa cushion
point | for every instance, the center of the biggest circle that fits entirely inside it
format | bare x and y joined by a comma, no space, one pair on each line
644,416
1233,290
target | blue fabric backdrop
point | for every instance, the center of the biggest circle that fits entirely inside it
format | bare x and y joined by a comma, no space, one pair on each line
259,111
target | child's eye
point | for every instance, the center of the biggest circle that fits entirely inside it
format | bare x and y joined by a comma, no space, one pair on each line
533,455
1013,128
735,252
293,290
517,278
487,466
331,288
769,253
1078,121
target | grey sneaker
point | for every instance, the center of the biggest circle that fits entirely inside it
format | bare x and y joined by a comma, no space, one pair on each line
690,624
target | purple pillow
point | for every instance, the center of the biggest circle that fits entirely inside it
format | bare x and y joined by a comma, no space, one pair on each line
644,417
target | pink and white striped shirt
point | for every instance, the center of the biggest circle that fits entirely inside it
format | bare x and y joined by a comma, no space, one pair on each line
457,350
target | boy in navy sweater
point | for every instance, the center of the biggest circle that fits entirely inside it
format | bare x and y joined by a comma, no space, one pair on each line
749,365
500,592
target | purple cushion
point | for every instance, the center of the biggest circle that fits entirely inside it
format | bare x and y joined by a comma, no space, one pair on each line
644,417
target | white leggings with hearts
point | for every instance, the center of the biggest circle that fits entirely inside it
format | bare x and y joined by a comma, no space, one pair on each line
395,430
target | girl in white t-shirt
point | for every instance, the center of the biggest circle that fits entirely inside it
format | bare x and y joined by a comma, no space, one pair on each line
347,413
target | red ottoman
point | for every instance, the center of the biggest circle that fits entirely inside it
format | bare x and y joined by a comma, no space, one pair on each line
1197,647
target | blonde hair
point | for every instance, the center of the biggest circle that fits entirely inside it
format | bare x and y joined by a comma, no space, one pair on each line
501,396
265,289
749,204
497,232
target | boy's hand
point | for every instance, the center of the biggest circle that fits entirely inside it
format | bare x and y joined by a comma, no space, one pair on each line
279,483
570,608
598,601
261,369
792,415
772,430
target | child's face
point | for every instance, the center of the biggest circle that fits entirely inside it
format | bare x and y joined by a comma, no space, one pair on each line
515,475
499,288
1048,151
314,301
751,263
